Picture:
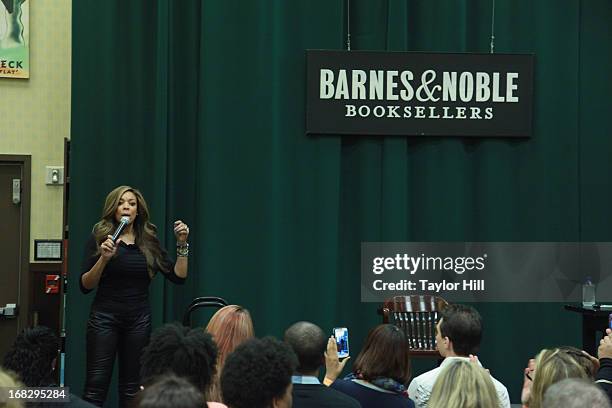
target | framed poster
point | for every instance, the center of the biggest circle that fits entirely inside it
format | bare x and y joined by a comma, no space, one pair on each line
15,38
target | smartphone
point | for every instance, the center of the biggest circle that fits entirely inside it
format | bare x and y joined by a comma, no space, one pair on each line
342,341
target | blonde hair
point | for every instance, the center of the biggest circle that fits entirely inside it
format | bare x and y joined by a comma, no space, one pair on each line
463,384
145,232
552,366
230,326
9,379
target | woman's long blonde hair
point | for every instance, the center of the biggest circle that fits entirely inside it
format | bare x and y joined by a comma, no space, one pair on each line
230,326
554,365
145,233
463,384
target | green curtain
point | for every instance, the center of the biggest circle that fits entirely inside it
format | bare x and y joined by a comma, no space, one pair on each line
201,105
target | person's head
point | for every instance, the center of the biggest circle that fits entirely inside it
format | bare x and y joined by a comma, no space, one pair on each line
170,391
230,326
384,354
552,366
125,201
582,358
128,201
575,393
463,384
33,356
459,331
309,343
258,375
9,380
173,348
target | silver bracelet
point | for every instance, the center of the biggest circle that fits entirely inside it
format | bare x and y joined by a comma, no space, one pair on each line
182,250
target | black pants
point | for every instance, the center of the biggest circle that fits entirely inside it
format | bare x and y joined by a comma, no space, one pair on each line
108,335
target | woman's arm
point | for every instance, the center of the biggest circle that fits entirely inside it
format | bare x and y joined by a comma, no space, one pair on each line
181,231
180,267
91,278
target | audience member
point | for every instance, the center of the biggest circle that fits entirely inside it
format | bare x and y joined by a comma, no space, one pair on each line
170,391
463,384
33,357
589,363
575,393
529,373
552,366
9,380
309,343
258,375
188,353
458,335
229,326
380,373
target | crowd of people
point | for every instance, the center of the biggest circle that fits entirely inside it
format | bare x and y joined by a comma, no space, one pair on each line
225,366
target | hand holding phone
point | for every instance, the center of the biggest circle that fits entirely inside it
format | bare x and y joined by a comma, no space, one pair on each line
342,341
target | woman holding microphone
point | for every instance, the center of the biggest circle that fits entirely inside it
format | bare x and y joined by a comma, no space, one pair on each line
121,267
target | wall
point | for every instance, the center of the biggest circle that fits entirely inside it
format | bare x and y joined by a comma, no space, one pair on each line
35,112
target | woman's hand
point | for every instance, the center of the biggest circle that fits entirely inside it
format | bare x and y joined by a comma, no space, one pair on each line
474,360
108,248
333,365
528,382
605,345
181,231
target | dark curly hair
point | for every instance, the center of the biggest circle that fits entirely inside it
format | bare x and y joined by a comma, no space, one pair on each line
32,355
258,371
188,353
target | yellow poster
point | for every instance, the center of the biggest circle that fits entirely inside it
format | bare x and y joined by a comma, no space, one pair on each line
14,38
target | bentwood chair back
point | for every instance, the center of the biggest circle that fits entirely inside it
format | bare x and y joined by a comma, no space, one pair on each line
200,302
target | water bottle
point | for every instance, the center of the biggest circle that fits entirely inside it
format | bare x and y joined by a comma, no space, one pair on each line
588,293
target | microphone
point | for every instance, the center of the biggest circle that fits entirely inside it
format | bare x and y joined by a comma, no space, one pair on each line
125,220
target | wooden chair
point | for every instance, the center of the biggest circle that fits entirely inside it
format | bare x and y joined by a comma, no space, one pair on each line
416,316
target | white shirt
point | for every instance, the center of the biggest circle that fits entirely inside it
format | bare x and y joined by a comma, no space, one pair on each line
420,387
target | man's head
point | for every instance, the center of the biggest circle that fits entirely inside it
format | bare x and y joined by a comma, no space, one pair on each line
188,353
575,393
33,356
309,343
258,375
459,331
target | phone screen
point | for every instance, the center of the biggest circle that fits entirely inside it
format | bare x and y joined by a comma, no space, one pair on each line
342,341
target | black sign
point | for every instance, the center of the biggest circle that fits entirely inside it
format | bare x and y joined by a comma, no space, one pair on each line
419,94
